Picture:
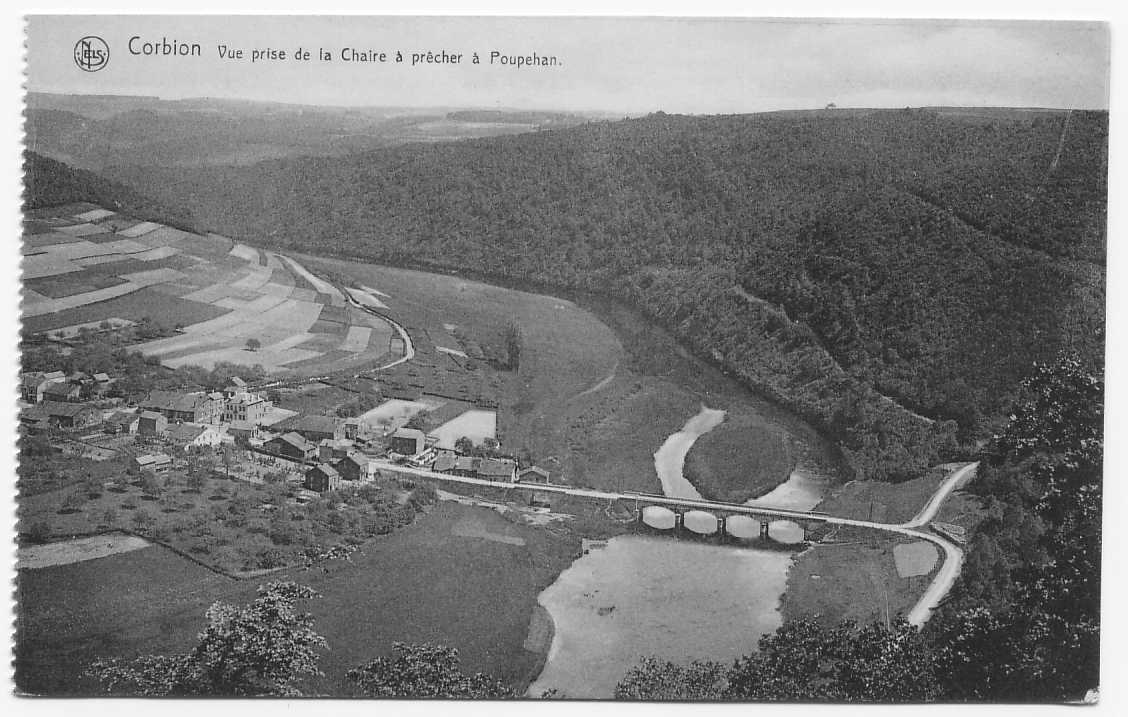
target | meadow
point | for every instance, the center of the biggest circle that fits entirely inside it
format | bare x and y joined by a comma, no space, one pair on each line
421,583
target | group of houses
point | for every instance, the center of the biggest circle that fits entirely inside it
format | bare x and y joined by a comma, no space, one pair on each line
57,400
184,419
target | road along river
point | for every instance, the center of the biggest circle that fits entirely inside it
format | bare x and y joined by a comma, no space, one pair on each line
675,599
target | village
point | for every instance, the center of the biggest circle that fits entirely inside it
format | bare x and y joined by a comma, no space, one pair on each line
321,453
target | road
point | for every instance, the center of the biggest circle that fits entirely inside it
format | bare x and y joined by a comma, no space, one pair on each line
941,584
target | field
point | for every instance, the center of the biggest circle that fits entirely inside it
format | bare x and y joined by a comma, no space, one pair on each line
475,425
83,263
71,614
422,583
854,577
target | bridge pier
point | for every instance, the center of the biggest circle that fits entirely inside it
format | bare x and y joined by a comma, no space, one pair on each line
764,530
679,523
722,531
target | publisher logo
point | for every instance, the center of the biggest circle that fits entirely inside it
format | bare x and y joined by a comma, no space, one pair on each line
91,53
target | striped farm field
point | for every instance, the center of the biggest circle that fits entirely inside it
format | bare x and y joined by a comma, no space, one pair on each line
84,263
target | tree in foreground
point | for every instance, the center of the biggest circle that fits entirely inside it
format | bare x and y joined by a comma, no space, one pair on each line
261,649
423,671
653,679
803,661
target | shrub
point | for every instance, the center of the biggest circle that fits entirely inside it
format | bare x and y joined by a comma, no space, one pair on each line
424,495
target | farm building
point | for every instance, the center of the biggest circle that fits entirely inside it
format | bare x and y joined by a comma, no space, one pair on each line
184,407
408,441
466,466
533,474
329,450
244,430
322,478
32,385
444,462
314,428
236,387
62,391
121,422
291,445
64,415
156,462
189,435
152,423
357,430
357,466
497,469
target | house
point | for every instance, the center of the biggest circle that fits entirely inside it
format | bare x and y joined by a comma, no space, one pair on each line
497,469
533,474
121,422
315,428
234,388
357,430
358,467
194,435
243,430
155,462
33,384
99,385
322,478
245,406
444,462
408,441
329,450
184,407
65,415
62,391
152,423
466,466
291,445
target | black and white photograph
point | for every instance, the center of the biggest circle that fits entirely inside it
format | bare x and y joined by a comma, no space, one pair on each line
571,357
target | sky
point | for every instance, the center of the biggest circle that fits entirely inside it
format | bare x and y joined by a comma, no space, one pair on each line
628,65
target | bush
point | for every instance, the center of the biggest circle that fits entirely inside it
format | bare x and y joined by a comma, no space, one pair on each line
424,495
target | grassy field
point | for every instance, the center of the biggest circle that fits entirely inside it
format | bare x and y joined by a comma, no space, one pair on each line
852,579
857,575
144,601
422,583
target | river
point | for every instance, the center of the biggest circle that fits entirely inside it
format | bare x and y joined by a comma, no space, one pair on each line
675,599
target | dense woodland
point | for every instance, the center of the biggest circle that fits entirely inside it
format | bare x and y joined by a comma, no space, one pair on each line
861,268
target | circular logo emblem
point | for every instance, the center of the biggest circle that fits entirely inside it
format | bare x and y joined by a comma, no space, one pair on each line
91,53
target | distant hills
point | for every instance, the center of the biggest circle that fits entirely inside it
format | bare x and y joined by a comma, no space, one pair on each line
889,274
95,131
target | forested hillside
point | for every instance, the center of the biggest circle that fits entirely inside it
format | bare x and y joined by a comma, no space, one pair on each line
48,183
861,268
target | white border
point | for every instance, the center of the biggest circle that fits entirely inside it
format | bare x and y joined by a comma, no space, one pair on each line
1114,668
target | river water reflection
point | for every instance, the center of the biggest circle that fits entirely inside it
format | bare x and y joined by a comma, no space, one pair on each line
675,599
